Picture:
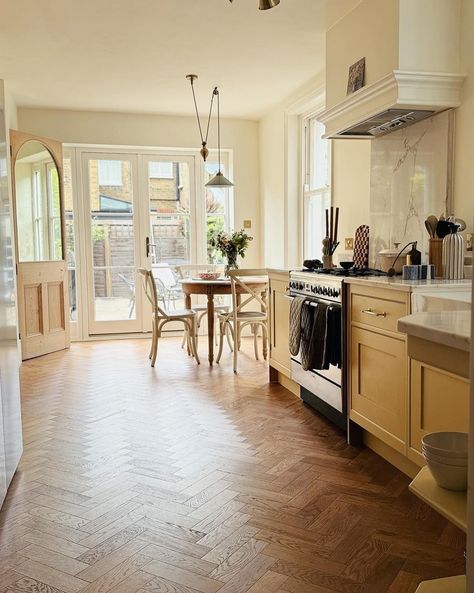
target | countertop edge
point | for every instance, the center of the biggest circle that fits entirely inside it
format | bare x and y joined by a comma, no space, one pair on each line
419,326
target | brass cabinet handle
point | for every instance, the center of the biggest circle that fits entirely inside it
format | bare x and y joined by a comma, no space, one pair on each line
374,313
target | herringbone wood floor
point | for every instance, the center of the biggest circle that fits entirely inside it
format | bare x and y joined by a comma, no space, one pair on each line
185,479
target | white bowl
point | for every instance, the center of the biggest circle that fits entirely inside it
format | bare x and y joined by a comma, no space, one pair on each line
450,444
457,462
450,477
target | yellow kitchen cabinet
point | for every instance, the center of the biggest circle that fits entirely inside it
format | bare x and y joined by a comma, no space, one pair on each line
378,363
279,323
439,392
379,386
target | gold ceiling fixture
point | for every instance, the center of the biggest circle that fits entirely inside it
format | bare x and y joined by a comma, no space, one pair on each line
266,4
219,180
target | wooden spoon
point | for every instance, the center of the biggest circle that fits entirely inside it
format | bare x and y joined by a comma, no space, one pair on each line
433,222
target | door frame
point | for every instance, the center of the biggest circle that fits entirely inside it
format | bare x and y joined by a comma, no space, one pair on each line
45,341
97,327
81,214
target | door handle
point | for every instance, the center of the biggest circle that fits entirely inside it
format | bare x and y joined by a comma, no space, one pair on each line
148,246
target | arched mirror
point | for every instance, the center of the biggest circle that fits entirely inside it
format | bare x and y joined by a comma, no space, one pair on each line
38,204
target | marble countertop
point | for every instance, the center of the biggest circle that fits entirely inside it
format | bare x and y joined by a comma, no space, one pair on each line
450,328
396,283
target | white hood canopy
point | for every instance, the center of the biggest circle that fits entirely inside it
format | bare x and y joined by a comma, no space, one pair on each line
411,62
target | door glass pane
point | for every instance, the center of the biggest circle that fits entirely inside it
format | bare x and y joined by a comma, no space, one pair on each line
217,200
112,232
38,209
70,240
169,192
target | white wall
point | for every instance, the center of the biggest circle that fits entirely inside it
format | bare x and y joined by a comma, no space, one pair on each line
464,151
272,187
163,131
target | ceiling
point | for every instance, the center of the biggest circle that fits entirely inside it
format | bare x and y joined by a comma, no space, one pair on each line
133,55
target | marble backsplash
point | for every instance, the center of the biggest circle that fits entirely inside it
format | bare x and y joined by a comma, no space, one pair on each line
411,177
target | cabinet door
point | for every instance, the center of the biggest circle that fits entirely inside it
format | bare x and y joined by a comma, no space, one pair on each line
279,326
439,402
379,385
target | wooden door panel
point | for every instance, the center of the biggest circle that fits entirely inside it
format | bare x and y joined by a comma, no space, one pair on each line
56,317
42,303
33,309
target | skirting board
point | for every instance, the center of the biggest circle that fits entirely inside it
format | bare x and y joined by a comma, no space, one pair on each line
394,457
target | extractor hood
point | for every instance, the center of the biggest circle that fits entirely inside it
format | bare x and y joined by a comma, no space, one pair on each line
394,102
411,57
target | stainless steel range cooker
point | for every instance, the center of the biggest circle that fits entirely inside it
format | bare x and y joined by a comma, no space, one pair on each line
321,389
325,390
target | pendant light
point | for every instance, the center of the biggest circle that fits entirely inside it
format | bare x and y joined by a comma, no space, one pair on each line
266,4
219,180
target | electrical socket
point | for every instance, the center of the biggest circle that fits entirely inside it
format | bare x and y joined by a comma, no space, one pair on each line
349,243
247,224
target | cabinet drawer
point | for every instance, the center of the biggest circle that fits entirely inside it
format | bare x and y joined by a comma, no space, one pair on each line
378,310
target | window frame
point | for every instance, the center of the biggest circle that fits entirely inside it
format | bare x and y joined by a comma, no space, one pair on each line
307,193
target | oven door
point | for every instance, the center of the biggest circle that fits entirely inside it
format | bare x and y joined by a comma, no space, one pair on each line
325,384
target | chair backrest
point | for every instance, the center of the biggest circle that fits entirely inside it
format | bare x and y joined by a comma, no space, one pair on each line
151,293
164,273
251,285
192,270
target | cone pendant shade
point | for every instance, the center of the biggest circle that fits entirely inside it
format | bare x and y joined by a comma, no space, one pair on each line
266,4
219,181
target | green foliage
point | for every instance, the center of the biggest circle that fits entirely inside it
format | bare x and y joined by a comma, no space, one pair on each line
215,226
231,245
100,232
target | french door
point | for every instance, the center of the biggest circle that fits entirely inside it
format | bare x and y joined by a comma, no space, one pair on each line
140,210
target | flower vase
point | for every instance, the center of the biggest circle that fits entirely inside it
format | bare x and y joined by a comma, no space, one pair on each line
230,265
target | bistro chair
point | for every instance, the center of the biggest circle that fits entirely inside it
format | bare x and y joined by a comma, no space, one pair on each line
161,317
249,307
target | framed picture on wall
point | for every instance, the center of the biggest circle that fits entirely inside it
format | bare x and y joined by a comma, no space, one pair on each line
356,77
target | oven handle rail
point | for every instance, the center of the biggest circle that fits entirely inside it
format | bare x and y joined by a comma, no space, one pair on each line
314,302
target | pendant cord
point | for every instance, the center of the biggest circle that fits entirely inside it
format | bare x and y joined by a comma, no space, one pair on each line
209,117
216,92
204,140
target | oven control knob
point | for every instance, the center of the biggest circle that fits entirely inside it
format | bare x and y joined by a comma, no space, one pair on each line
329,291
336,292
320,290
325,291
313,289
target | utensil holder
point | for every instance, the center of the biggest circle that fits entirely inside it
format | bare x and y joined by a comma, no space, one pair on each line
453,257
436,256
327,262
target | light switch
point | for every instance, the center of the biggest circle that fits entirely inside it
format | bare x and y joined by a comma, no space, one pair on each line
247,224
349,243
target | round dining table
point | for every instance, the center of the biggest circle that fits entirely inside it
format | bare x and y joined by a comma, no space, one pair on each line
210,288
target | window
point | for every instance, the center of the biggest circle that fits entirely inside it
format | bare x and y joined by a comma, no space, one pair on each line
160,170
110,173
317,187
217,210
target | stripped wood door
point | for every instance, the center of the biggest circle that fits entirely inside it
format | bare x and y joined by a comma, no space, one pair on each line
40,244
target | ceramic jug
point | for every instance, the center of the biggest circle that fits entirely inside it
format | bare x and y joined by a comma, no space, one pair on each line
453,256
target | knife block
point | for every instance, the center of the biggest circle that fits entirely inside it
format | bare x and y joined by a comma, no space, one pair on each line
436,256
